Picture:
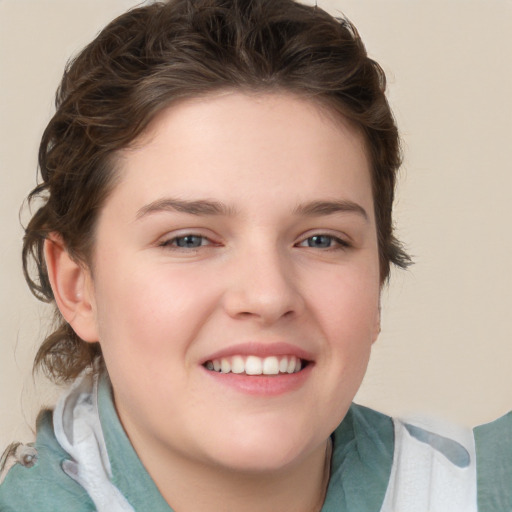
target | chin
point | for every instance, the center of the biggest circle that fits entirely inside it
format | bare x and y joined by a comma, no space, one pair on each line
253,460
263,448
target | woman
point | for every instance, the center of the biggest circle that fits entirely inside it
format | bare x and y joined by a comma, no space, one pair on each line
215,231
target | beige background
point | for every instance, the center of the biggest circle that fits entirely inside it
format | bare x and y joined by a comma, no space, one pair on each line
446,343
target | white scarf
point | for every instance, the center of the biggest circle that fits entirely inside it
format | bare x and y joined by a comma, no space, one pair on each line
78,430
434,469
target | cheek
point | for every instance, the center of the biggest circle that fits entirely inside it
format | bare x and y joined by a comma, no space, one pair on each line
347,304
151,309
348,314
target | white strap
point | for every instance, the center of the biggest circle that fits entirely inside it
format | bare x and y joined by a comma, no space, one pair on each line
431,472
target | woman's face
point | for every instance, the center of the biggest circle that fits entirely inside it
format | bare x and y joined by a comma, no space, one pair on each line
242,236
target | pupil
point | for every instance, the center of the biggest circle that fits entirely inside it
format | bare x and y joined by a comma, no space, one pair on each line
189,241
321,241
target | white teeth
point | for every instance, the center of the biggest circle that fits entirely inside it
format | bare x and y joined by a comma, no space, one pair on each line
270,366
254,365
237,365
225,365
291,364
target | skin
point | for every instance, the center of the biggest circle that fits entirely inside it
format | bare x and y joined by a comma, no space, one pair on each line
257,276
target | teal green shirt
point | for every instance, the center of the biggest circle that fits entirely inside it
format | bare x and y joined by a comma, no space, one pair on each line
361,464
494,465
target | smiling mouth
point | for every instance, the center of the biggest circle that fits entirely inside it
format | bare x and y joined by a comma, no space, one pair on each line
254,365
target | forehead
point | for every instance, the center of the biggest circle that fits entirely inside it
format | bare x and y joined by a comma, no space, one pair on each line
212,143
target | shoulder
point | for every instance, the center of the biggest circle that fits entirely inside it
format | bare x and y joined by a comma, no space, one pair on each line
368,434
371,423
367,430
494,464
361,461
44,486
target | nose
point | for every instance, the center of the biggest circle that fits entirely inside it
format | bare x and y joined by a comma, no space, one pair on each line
262,286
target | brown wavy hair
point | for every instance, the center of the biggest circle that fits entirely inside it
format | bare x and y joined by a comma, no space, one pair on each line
155,55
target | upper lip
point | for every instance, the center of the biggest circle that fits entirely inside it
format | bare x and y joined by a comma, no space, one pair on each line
260,350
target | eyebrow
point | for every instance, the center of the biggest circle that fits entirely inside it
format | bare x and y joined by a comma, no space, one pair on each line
208,207
319,208
199,207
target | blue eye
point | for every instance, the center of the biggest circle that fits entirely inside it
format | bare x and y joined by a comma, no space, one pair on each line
319,241
188,241
324,242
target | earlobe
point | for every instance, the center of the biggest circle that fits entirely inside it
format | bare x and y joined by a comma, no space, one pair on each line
72,288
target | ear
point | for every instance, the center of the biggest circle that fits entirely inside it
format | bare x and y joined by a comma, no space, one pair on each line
72,288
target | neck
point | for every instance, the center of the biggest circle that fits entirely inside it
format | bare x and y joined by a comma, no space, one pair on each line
299,487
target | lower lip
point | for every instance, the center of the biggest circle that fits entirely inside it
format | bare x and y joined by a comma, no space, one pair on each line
262,385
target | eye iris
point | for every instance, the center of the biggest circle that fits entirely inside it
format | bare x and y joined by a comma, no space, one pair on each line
189,241
319,241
